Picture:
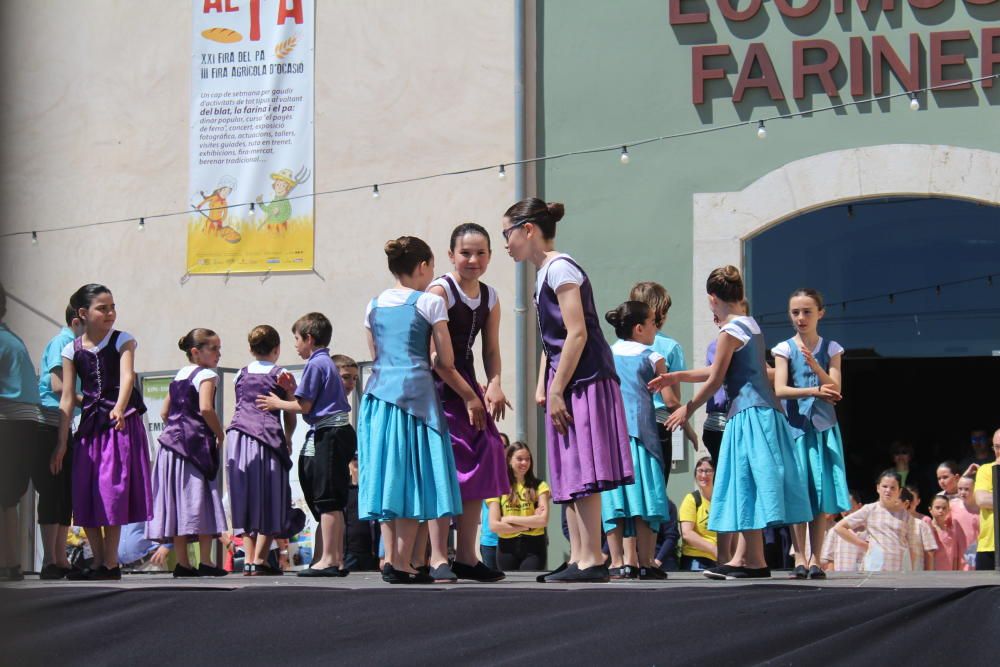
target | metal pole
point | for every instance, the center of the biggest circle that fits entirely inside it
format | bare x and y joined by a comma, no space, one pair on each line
521,362
996,515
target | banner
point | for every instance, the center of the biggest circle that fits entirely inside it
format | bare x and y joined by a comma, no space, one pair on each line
251,136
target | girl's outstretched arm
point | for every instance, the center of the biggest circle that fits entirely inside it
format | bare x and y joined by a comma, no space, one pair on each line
670,396
724,349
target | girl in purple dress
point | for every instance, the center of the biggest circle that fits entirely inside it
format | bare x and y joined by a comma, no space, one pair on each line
473,307
586,435
186,498
258,449
110,452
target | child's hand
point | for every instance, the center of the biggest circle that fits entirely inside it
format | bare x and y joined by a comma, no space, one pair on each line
972,469
808,356
540,397
55,463
477,413
269,402
662,380
677,418
287,382
159,558
560,416
828,393
496,402
118,418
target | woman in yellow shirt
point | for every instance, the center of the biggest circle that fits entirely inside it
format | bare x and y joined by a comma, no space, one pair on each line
698,549
519,518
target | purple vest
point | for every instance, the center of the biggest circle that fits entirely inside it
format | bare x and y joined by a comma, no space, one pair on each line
262,425
100,379
464,325
596,361
186,433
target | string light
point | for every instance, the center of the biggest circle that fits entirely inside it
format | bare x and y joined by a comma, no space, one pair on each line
251,208
34,238
989,281
761,133
375,192
850,210
937,290
502,174
142,224
892,298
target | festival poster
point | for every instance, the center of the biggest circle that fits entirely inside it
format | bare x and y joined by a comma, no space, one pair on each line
251,137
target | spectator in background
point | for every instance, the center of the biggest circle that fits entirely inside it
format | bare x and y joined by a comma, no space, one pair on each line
965,513
948,474
902,461
951,543
136,553
699,549
979,441
922,542
520,517
839,555
985,556
360,537
667,537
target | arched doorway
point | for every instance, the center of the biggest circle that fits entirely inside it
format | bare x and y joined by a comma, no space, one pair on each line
842,188
909,294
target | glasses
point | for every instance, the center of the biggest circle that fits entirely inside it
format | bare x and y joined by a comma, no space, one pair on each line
510,230
976,439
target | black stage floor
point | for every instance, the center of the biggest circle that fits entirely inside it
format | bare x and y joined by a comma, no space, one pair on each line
154,620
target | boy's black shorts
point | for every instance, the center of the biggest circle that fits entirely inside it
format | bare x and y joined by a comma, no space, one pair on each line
325,478
55,496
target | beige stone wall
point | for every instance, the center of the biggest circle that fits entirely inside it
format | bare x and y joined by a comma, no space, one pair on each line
95,126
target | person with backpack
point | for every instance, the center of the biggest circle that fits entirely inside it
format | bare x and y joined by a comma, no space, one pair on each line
698,549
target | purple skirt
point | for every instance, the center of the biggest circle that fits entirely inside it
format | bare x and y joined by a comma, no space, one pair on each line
111,477
259,494
593,455
185,504
479,455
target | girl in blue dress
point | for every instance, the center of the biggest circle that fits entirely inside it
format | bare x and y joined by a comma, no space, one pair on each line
405,460
807,376
759,482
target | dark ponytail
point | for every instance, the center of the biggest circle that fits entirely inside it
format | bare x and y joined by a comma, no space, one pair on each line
535,211
194,338
625,317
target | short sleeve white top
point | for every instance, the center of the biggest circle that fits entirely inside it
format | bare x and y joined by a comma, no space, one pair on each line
557,274
783,349
473,303
738,333
123,337
196,374
631,348
430,306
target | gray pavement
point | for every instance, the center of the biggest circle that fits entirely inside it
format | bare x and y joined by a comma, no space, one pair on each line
526,581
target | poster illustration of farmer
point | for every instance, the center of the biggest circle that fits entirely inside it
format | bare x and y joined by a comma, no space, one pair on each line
279,209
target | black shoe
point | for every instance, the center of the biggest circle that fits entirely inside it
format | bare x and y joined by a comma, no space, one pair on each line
800,572
332,571
107,574
52,572
816,573
86,574
264,570
249,569
651,574
542,578
212,571
13,574
478,572
756,573
724,572
442,574
574,575
623,572
400,577
386,572
181,572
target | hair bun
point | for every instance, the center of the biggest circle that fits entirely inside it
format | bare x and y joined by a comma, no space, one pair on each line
556,211
395,248
613,318
181,343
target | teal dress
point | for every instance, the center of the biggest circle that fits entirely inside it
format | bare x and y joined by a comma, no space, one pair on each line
759,481
646,497
820,445
405,463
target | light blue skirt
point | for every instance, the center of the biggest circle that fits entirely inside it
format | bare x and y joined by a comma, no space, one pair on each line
406,469
759,482
826,476
645,498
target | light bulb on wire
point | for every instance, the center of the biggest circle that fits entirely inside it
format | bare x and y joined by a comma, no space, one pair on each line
761,130
34,238
142,224
624,156
375,192
502,174
914,102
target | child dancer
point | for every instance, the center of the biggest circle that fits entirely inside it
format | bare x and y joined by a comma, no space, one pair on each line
638,508
473,307
758,481
585,429
407,468
110,452
951,543
330,444
519,517
186,499
910,498
892,534
258,454
965,513
948,474
807,376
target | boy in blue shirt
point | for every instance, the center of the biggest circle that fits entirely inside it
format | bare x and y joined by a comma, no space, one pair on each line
19,417
330,445
55,500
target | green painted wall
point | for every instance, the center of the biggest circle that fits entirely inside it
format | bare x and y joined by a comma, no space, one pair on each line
614,72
